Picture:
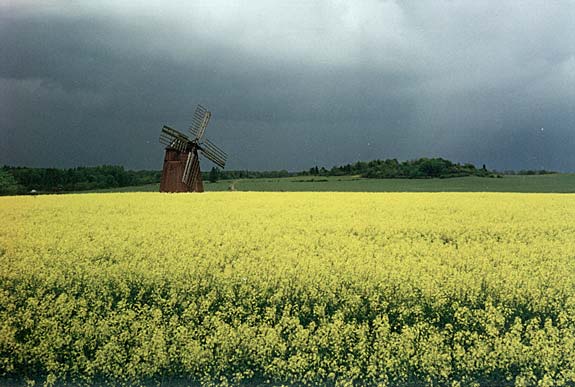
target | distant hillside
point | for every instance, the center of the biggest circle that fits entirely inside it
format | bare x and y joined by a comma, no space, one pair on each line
423,168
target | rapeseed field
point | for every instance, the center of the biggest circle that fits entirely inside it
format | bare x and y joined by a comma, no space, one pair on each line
288,288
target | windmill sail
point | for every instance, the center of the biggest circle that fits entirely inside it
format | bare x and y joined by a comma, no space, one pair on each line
187,176
174,139
192,173
212,152
196,174
200,121
173,143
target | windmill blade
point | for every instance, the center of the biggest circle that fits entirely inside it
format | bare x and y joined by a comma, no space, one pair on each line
200,121
173,138
215,154
192,170
204,126
187,176
210,146
172,142
174,133
214,159
196,173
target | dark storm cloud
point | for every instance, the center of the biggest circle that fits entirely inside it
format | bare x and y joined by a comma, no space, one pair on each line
292,85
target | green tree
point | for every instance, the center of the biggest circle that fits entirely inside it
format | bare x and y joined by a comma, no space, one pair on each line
433,167
8,185
214,175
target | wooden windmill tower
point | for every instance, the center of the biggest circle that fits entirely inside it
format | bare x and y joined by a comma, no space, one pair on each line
181,172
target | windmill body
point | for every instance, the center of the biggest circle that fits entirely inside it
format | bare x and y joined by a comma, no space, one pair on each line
181,171
174,165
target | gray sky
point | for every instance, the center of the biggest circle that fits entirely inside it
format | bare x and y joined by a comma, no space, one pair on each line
291,84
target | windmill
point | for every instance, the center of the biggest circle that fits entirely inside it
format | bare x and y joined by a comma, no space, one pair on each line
181,172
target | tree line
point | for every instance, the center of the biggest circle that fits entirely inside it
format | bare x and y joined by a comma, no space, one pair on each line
17,180
422,168
20,180
219,174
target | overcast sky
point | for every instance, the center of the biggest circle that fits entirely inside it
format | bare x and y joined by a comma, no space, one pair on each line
290,84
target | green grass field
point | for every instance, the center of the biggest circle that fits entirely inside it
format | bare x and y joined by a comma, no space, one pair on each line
558,183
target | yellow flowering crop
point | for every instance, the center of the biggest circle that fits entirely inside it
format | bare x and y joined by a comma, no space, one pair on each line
281,288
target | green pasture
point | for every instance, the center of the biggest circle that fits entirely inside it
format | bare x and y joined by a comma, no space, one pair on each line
558,183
